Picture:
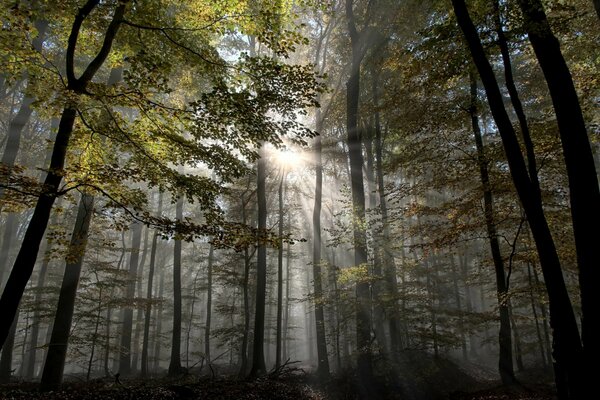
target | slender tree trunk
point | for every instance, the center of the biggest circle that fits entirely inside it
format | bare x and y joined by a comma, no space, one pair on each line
125,367
96,330
25,261
245,283
148,308
535,316
140,311
363,295
209,290
57,350
505,362
458,302
258,356
279,275
158,315
378,286
568,351
389,265
323,360
175,364
35,328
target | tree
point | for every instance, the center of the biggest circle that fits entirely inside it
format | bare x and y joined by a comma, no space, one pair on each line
505,362
55,358
583,181
567,346
25,261
363,312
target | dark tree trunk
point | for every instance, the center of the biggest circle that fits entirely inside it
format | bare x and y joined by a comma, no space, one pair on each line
579,161
323,360
25,261
148,308
140,311
389,265
208,304
505,362
363,295
57,350
514,97
258,356
175,364
127,327
567,345
279,275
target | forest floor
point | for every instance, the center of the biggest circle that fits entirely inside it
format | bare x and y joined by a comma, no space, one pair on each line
289,388
443,381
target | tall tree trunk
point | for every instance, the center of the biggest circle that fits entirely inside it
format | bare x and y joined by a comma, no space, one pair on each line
126,329
514,97
25,261
584,192
378,286
363,295
567,345
157,317
140,311
389,265
209,290
258,356
148,308
505,362
35,327
57,350
323,360
175,364
279,275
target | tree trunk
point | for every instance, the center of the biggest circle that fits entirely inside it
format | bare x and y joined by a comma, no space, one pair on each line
126,329
208,304
279,275
258,356
567,345
175,364
25,261
148,308
505,363
584,192
57,350
140,311
363,295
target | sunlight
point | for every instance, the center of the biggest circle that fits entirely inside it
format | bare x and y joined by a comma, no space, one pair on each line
288,159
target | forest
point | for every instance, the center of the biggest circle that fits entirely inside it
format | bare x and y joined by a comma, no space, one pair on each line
299,199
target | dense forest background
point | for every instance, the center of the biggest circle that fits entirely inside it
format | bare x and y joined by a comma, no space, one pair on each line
384,199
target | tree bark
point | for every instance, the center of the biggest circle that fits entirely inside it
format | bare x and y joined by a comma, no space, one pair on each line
505,363
363,295
148,308
584,192
567,345
208,304
175,364
258,356
125,368
61,330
